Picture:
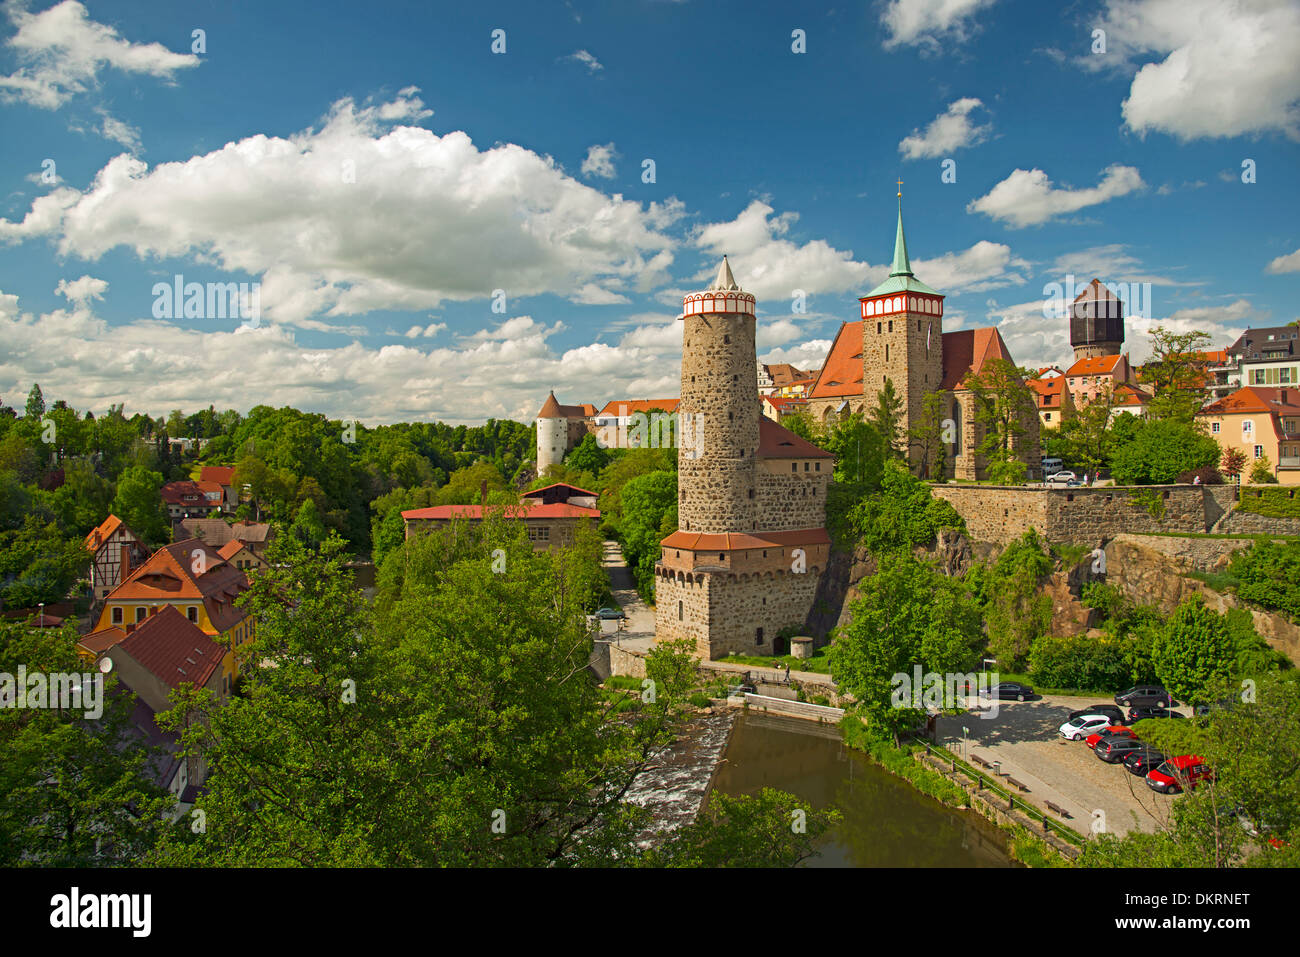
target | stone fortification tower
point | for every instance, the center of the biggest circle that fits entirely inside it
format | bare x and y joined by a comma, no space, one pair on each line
751,500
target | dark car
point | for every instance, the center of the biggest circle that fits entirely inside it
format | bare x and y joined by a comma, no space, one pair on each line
1145,696
1008,689
1114,749
1141,714
609,614
1109,710
1201,708
1143,760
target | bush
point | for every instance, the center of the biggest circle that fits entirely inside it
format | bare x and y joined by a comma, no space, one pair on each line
1088,664
1268,573
903,514
1273,502
1193,649
1161,451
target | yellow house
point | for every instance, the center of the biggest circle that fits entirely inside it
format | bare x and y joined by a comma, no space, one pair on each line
1261,422
193,578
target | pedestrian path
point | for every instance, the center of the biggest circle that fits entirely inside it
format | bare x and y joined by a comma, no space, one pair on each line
639,629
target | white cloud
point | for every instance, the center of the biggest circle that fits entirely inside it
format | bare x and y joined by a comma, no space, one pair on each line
81,291
586,59
154,366
985,265
1288,263
62,51
926,22
805,355
950,130
425,332
1109,263
1228,68
1028,198
772,267
353,217
116,130
595,295
599,161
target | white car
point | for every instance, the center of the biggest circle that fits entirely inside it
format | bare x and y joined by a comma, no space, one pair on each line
1079,728
1062,478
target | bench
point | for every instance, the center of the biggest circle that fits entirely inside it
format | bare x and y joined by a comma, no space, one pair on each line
1011,780
980,761
1057,809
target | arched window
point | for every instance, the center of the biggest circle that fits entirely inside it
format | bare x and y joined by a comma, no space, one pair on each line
898,303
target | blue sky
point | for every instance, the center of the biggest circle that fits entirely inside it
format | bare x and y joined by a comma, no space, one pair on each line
381,172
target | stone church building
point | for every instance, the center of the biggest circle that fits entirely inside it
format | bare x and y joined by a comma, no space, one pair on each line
899,336
751,540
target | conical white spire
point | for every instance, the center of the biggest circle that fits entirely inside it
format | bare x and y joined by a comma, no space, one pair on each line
725,279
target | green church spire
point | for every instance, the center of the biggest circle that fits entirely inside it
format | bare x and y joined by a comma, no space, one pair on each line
902,267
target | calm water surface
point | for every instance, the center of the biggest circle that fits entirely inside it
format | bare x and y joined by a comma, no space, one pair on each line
884,822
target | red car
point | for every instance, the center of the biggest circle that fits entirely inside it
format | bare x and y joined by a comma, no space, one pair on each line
1113,731
1185,770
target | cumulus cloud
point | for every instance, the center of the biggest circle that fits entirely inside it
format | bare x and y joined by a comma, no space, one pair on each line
1109,263
1028,198
950,130
926,22
599,161
805,355
425,332
1288,263
155,366
61,52
111,128
81,291
354,217
985,265
1228,69
773,267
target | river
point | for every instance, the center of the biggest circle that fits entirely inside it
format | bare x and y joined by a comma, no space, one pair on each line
885,821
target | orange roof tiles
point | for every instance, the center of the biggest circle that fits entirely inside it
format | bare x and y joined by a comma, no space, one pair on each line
1096,365
100,641
841,373
621,407
103,532
221,474
551,409
727,541
967,350
1255,398
190,570
1050,392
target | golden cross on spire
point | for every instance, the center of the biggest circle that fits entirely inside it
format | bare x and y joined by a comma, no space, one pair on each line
900,189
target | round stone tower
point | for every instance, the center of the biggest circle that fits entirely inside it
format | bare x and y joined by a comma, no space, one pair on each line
719,410
552,434
1096,322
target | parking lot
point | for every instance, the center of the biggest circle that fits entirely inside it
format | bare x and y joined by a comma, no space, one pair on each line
1024,738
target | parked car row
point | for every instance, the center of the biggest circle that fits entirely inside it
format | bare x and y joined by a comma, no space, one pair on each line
1106,730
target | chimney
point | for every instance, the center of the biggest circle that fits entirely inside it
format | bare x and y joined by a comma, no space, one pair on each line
125,553
482,493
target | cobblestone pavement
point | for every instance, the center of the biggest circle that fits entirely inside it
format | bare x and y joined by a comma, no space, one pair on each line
1024,738
638,632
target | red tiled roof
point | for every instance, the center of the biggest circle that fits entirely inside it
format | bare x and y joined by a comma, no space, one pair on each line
1096,365
1050,392
777,442
621,407
228,550
783,373
103,532
175,493
1126,394
1095,290
551,409
221,474
1256,398
703,542
100,641
526,511
781,402
841,373
173,649
967,350
172,573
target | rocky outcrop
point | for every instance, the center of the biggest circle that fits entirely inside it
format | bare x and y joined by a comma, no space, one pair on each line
1153,571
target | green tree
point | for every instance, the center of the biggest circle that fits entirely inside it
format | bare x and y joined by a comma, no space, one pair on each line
139,504
1193,650
886,418
1003,406
588,456
1088,432
1267,572
71,793
1232,463
1261,473
38,564
928,436
1161,451
902,514
647,501
1016,610
1176,373
35,402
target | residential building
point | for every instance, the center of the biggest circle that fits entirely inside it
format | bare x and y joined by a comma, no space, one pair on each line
223,475
766,384
192,577
1260,421
1089,378
115,550
187,499
1055,403
217,532
1128,399
778,407
242,557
